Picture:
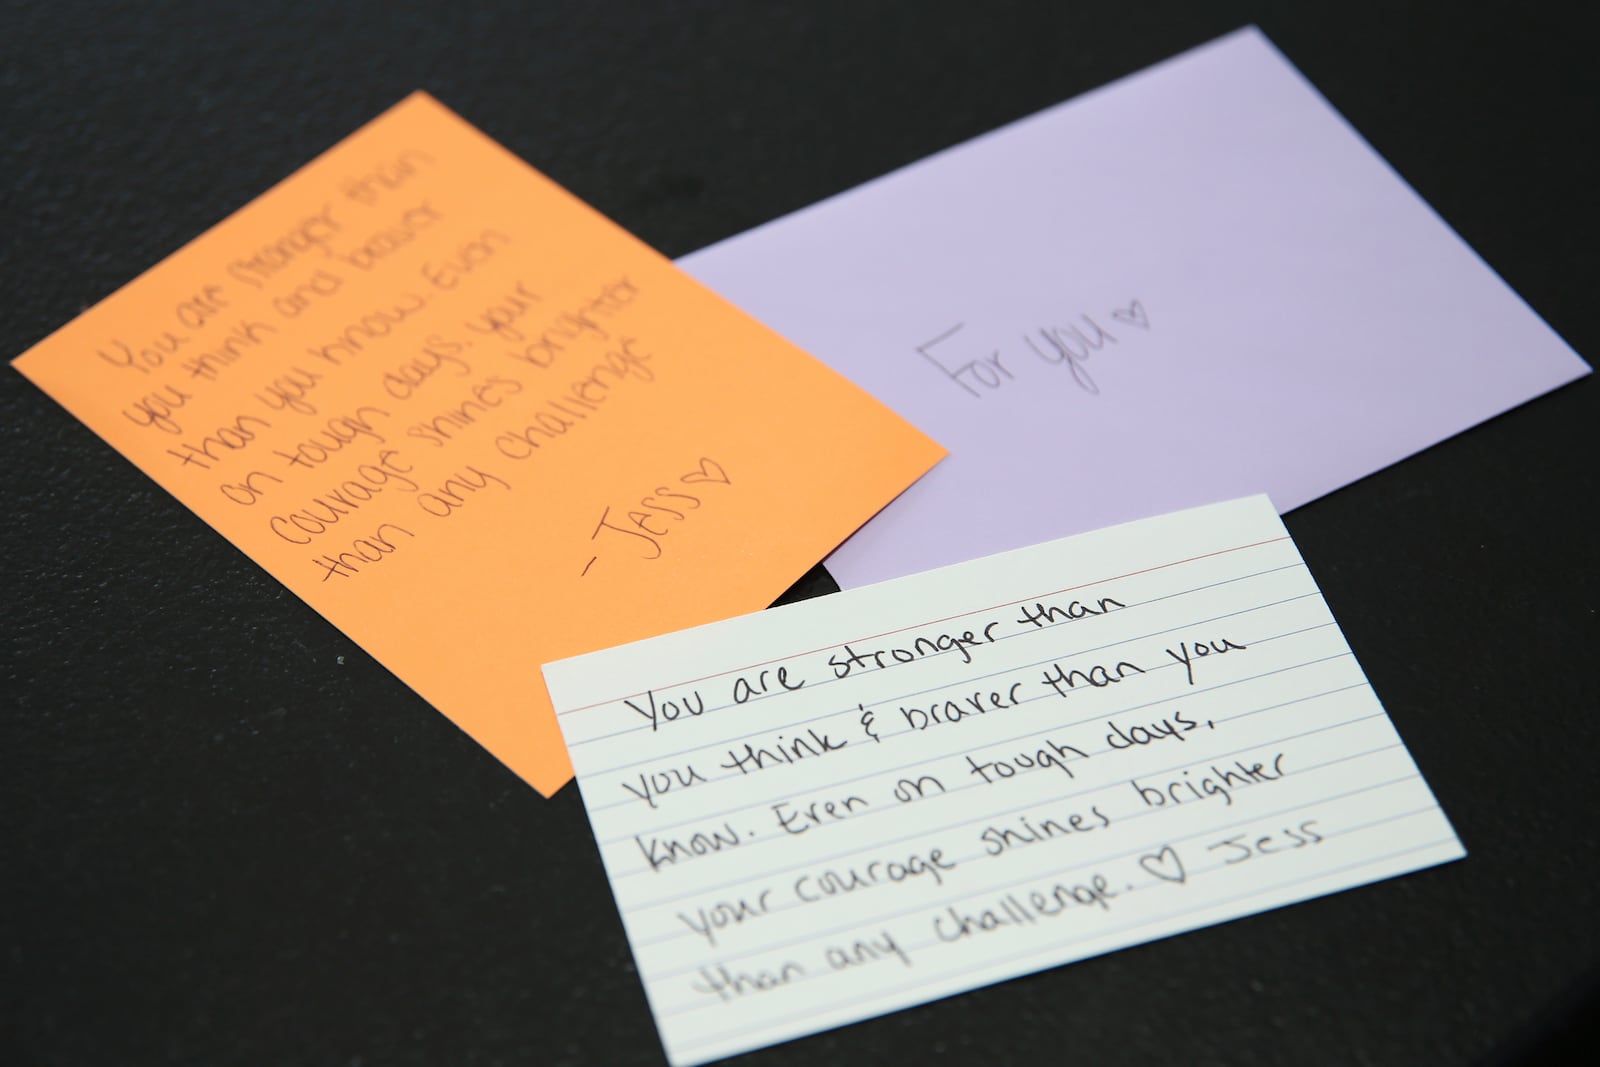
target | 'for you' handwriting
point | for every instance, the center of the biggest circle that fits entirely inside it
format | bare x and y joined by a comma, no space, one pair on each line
979,364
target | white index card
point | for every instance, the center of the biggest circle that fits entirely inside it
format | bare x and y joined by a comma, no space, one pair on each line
843,807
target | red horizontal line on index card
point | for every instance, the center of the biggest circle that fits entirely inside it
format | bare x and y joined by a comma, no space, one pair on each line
934,622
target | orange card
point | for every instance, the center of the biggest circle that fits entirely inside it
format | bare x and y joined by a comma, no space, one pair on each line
474,423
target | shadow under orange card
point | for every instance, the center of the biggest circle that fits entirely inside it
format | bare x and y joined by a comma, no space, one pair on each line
473,423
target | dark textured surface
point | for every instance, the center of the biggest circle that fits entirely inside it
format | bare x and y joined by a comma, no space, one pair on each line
230,837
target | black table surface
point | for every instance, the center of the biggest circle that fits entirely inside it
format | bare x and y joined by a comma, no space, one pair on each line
227,836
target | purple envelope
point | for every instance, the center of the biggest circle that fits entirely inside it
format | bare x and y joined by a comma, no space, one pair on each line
1194,284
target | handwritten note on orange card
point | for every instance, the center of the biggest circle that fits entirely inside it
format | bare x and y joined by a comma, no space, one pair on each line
473,423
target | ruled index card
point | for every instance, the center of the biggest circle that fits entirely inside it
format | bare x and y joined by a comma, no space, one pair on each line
851,805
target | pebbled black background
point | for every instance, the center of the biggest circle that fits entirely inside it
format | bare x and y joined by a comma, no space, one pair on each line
228,837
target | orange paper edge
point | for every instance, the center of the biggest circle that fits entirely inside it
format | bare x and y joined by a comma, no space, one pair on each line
525,434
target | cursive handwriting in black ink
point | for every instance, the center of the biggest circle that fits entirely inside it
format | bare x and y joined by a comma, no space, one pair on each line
1053,754
668,710
1042,614
1187,655
660,783
962,644
1064,681
781,751
1220,782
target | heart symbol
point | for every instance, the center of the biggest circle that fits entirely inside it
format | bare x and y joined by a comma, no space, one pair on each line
1164,865
710,471
1133,314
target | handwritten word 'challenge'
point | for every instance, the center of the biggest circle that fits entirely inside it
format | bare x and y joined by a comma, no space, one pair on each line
556,417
